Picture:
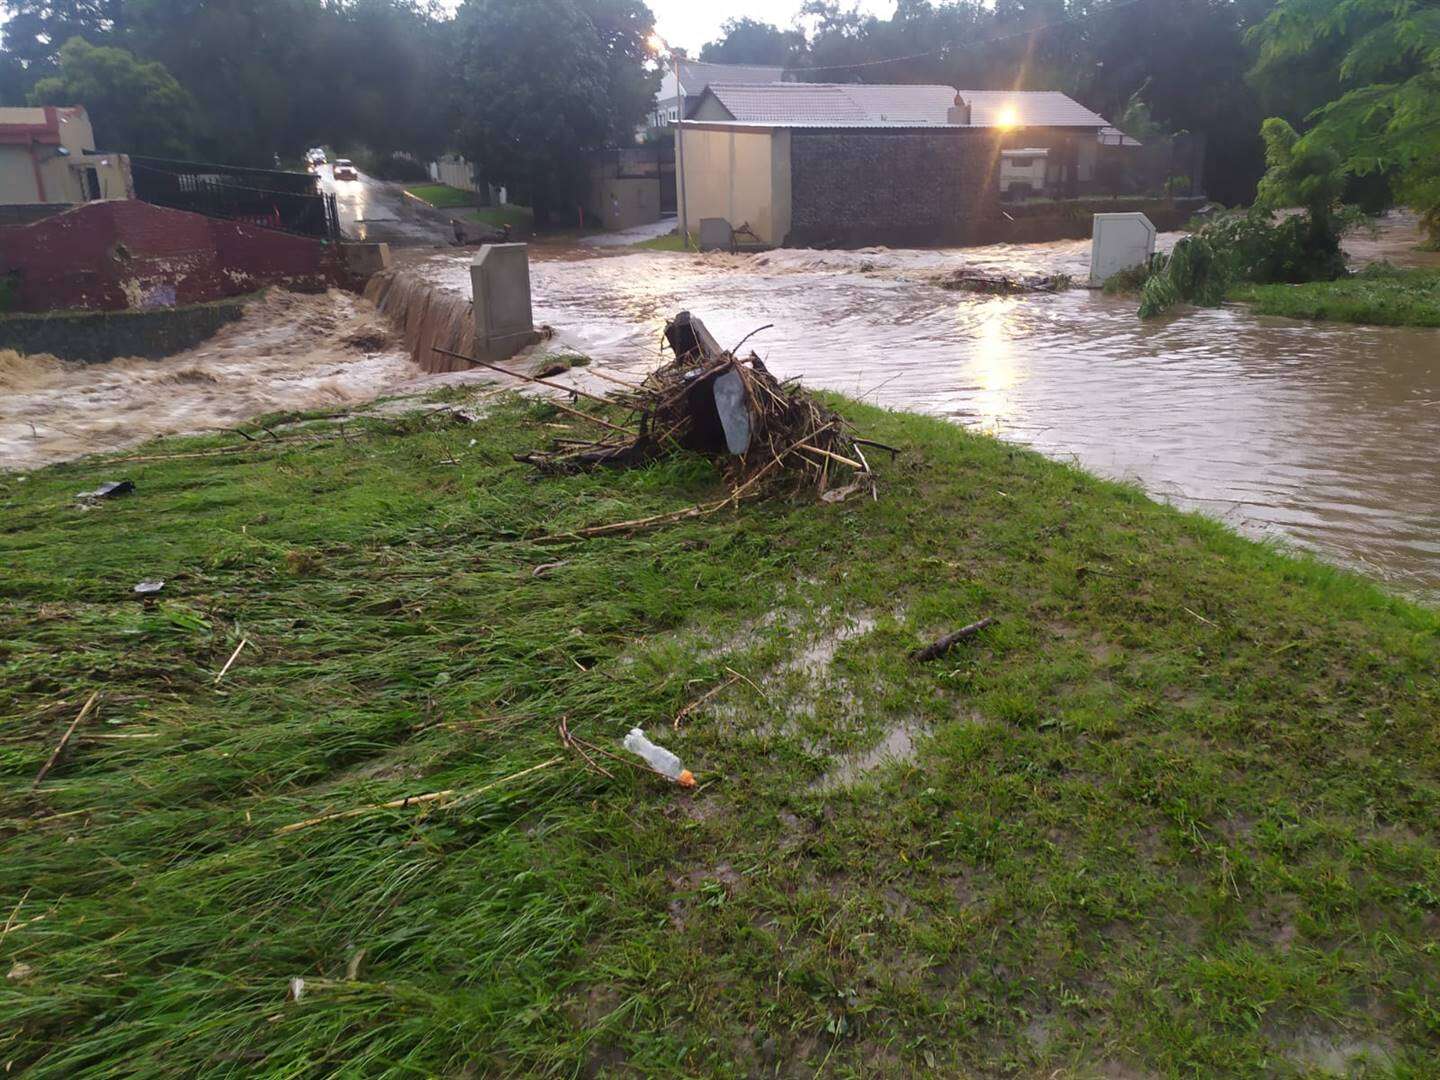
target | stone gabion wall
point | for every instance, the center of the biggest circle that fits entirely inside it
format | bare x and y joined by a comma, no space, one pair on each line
900,186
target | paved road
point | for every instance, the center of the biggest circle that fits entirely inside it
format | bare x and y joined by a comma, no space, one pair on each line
375,210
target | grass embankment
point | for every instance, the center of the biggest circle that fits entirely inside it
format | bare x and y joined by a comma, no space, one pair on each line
441,196
517,217
1175,812
1381,295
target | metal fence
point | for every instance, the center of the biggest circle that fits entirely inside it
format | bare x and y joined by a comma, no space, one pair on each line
291,202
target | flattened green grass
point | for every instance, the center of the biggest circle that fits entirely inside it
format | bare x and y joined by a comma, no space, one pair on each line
1175,813
1379,295
442,196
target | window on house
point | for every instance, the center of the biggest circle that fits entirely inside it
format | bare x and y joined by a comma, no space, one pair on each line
1020,162
674,115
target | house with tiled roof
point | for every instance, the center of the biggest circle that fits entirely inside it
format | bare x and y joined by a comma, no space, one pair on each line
677,96
815,163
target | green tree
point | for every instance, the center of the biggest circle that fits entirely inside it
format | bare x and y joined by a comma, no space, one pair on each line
749,41
136,106
36,30
1383,119
543,81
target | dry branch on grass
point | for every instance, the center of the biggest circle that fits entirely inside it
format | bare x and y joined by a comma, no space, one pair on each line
940,647
64,740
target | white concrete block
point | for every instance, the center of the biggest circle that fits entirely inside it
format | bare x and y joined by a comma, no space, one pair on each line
500,284
1119,242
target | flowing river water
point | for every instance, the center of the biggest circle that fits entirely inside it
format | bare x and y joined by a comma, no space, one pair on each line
1323,435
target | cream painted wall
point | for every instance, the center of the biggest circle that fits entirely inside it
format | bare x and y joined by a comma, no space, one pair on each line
17,175
63,184
741,176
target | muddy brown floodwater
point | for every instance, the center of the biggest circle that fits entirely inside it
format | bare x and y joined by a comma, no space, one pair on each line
1323,435
287,352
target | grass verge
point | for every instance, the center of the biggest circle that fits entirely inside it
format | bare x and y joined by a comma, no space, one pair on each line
518,217
1175,813
1380,295
442,196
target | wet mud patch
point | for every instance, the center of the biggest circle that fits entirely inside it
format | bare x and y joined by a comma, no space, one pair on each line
897,746
1332,1052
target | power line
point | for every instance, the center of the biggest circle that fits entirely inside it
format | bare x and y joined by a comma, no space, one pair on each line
971,44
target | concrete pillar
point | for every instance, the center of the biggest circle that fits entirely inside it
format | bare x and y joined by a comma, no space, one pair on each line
500,284
1119,242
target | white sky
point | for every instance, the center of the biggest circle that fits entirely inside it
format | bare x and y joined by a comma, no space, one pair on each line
691,23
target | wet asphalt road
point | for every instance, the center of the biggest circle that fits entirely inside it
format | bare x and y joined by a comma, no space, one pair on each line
379,211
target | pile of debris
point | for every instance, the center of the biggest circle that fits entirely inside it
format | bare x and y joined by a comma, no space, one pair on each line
978,281
730,408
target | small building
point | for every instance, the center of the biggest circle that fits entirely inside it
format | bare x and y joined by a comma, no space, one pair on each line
1051,141
819,163
832,163
47,155
676,98
631,186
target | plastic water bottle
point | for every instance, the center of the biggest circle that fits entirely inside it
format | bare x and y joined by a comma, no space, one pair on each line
658,758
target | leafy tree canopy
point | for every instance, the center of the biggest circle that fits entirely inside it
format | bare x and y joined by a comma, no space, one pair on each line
136,106
543,81
1382,121
747,41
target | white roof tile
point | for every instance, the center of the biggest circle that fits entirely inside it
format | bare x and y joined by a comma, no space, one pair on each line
859,104
1033,108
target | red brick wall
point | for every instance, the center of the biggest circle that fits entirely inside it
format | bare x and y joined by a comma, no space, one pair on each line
129,254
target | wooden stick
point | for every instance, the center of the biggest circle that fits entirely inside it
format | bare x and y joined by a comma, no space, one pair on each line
613,378
757,689
521,375
414,800
688,709
879,445
831,454
233,655
11,920
949,641
593,419
747,337
574,744
64,739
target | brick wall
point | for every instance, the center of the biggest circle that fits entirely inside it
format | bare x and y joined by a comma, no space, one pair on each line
125,254
891,186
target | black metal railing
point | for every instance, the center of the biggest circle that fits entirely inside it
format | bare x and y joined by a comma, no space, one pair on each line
291,202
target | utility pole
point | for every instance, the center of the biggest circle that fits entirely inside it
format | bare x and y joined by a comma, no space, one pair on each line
659,45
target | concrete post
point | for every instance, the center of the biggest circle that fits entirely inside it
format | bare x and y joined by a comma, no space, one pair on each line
1119,242
500,286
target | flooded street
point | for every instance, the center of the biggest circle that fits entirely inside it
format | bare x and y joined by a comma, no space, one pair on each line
1323,435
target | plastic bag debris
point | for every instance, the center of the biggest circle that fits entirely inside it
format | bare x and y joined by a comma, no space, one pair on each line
658,758
109,490
149,588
